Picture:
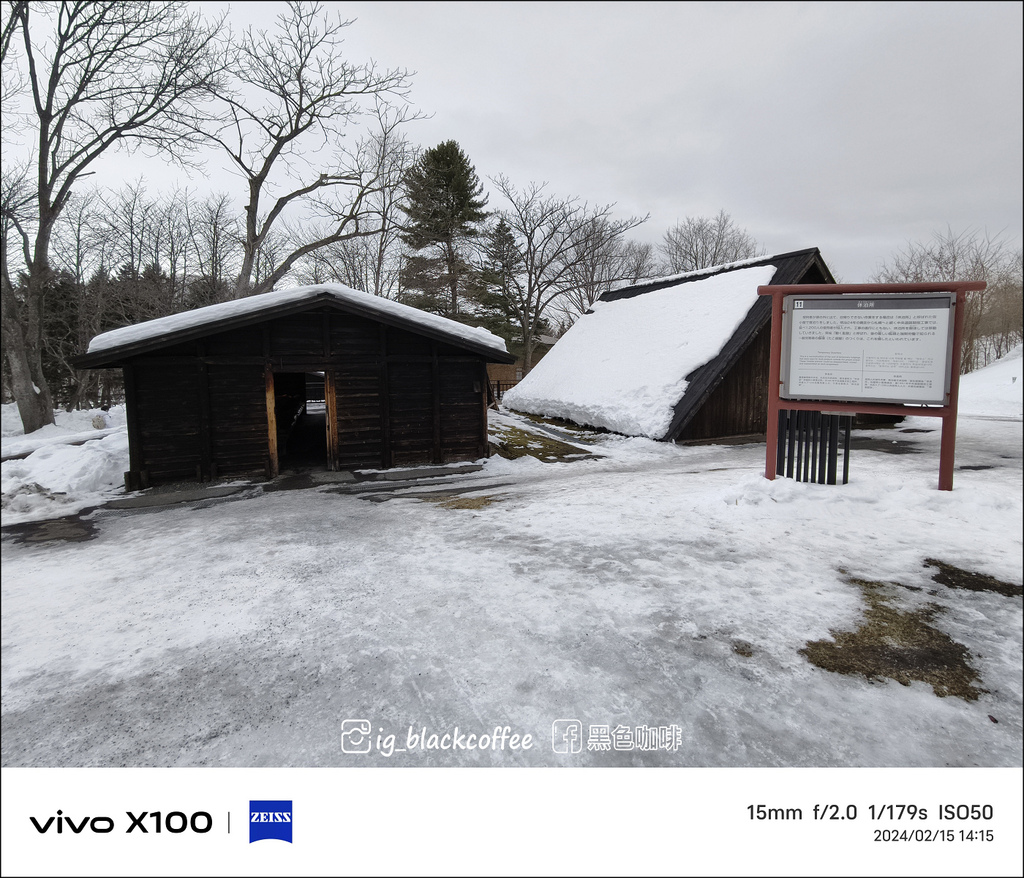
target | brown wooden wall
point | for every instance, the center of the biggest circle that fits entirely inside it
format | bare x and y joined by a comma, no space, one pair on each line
739,405
166,414
200,409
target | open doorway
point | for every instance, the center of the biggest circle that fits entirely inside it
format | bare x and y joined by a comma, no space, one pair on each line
301,412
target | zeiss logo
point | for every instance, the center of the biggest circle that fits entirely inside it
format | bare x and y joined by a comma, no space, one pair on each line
270,819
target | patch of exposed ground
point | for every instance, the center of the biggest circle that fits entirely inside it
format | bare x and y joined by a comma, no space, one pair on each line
70,529
465,502
562,424
954,577
512,443
898,645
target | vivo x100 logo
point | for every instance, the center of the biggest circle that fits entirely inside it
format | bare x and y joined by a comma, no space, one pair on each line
270,818
144,822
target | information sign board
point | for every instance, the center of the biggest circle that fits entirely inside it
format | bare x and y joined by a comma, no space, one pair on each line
868,348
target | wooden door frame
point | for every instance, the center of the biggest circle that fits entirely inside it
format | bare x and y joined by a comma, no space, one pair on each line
330,402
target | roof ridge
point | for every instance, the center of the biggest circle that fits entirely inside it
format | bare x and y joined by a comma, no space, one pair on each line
701,274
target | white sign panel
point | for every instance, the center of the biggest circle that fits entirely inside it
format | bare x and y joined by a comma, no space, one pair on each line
850,348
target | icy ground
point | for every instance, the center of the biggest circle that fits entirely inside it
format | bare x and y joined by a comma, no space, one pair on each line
654,586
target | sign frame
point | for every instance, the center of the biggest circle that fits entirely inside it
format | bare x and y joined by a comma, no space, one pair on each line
946,411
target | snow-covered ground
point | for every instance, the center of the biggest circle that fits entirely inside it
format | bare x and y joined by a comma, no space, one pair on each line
654,586
78,462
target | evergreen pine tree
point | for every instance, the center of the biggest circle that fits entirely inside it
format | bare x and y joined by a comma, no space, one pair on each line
501,265
444,204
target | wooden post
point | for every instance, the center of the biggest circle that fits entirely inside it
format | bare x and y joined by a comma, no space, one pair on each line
131,406
485,444
947,446
774,383
435,392
331,407
205,417
384,384
275,465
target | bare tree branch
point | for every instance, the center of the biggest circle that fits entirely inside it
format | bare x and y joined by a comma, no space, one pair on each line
555,236
295,96
701,242
100,74
967,255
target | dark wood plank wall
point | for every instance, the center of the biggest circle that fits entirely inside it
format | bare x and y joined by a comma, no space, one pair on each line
357,406
398,398
411,412
463,419
739,405
167,411
238,420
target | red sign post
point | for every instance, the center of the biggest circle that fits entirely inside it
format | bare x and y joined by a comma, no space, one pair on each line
946,410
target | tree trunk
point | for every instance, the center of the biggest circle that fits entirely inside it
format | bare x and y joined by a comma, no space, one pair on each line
527,347
31,393
85,380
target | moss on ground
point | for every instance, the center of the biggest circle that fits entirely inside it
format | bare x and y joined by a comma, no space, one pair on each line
898,645
465,502
513,443
562,424
954,577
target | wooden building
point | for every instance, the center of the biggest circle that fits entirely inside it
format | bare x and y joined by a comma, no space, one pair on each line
596,371
232,388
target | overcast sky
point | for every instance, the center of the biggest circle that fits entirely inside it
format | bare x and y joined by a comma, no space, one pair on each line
852,127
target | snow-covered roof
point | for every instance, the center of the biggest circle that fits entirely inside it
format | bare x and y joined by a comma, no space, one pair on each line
243,310
623,366
668,279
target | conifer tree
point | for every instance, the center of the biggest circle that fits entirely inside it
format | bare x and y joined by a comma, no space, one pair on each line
444,205
501,264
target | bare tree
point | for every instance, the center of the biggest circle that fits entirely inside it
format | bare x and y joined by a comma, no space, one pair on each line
141,240
703,241
641,262
295,98
601,260
214,243
553,237
98,75
373,262
76,243
360,263
965,255
15,207
1002,325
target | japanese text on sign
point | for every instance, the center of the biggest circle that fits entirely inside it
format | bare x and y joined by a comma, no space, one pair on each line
880,349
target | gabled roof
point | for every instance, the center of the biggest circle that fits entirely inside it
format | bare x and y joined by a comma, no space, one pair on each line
112,348
645,358
801,266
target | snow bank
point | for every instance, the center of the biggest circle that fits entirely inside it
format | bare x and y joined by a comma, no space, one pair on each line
66,466
996,390
624,366
61,479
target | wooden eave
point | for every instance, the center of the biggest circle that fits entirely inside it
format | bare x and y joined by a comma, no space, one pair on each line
117,356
